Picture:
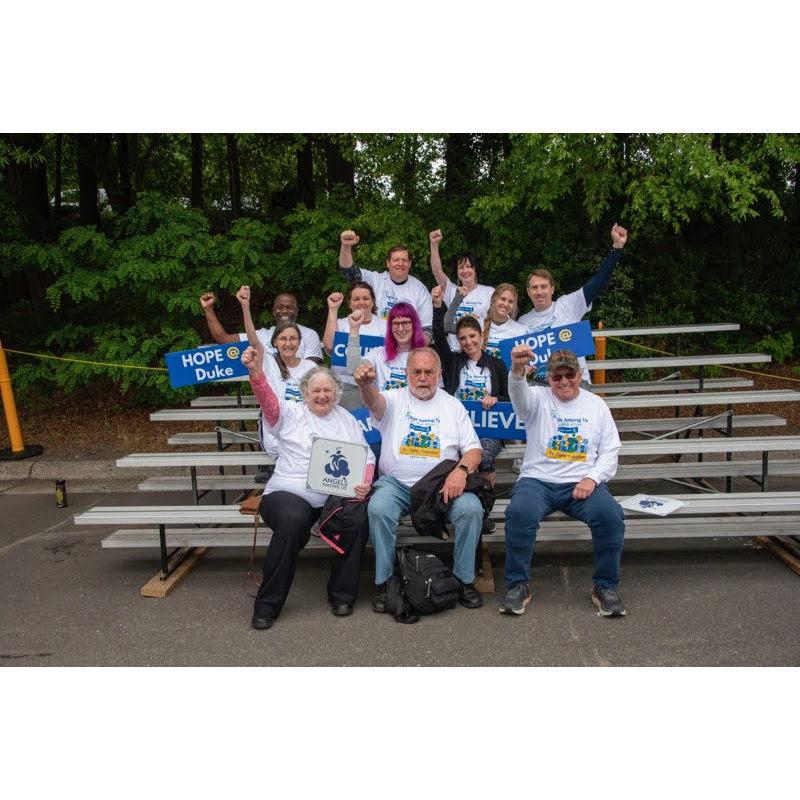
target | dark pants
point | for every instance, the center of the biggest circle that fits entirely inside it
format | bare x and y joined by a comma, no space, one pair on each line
291,518
532,500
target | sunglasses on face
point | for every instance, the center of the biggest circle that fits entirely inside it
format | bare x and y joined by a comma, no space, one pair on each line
569,374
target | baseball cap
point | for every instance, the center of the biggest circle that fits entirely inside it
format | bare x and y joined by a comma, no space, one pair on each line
563,358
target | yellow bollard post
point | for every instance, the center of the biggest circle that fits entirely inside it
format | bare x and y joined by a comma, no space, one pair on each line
17,449
600,354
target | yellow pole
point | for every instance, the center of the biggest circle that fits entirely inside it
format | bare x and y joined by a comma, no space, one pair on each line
18,449
600,354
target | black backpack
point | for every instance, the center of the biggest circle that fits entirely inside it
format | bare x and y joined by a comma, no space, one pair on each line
421,584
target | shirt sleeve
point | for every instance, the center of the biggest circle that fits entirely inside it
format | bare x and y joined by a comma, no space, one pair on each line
452,307
384,423
597,282
608,450
523,398
353,274
312,347
425,307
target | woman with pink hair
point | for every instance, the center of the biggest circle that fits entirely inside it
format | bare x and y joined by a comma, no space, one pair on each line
403,333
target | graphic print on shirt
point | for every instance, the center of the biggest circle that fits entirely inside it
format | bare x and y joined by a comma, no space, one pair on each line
568,443
390,301
474,387
422,438
292,392
397,379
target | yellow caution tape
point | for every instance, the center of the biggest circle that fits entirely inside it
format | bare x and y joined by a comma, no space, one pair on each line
722,366
82,361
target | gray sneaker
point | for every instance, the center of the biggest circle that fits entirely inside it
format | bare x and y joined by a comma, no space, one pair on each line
608,602
517,597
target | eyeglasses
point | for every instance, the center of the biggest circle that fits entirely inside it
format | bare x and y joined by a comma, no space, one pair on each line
287,339
568,374
402,323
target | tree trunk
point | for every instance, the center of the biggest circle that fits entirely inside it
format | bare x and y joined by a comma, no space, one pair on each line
108,170
456,156
123,155
197,170
305,172
338,168
27,185
89,213
57,186
234,178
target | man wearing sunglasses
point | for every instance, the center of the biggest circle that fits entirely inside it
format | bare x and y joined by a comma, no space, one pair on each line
571,453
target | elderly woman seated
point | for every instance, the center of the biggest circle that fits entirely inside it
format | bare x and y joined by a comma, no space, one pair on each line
288,506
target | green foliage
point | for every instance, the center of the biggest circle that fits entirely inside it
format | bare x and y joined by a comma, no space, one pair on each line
712,221
780,346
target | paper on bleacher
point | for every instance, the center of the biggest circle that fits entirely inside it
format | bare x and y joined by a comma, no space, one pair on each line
650,504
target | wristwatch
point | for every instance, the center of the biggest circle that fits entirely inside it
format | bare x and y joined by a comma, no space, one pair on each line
462,466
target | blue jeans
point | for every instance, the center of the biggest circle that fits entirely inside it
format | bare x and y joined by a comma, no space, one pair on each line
392,500
532,500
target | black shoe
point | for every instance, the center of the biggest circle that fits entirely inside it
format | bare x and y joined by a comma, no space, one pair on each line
608,602
262,623
379,598
488,526
469,596
341,609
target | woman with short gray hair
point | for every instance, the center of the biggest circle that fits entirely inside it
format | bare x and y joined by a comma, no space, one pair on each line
288,506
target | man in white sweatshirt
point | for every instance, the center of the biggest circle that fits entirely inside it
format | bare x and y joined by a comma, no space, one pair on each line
570,455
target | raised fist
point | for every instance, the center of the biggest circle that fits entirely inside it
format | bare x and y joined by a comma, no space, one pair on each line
335,299
435,237
356,318
437,294
521,354
619,236
251,360
207,300
364,374
350,238
243,295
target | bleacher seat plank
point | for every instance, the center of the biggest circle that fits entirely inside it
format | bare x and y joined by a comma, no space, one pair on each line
550,530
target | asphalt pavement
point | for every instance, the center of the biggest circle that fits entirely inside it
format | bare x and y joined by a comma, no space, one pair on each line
68,602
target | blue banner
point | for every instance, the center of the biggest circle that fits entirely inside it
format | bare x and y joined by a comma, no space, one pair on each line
499,422
362,415
212,362
576,337
339,357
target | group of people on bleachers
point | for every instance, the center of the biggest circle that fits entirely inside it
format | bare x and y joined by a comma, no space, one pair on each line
439,347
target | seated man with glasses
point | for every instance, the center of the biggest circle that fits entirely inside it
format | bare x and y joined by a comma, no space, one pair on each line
570,454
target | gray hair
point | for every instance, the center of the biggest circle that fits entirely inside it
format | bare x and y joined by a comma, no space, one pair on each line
429,351
315,372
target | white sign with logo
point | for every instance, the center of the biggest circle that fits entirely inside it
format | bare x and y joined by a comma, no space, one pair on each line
649,504
336,467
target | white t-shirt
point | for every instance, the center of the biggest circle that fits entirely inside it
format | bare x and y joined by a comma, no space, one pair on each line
418,434
474,382
508,330
310,346
388,374
286,388
375,327
388,294
568,309
477,303
566,441
295,431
